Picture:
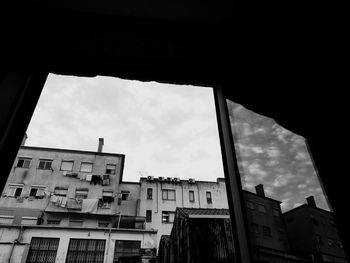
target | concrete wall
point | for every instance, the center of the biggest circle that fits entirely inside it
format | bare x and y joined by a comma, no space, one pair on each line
148,240
131,206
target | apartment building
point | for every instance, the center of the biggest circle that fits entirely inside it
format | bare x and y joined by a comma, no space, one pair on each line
313,233
62,205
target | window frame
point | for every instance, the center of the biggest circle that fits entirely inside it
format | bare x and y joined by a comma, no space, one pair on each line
71,256
208,197
165,194
111,171
45,161
67,161
148,216
50,247
86,162
24,159
166,215
191,192
149,193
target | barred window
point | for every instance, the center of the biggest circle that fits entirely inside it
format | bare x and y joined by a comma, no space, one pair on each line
43,250
86,250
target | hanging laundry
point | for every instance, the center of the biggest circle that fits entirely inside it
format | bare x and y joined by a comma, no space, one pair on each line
89,205
40,193
88,177
73,204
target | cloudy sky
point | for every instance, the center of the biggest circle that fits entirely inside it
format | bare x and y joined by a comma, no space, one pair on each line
168,130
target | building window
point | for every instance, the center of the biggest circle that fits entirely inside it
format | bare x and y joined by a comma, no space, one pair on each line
168,217
43,250
6,219
254,228
149,193
23,162
86,167
209,200
53,221
125,195
61,191
266,231
110,168
250,205
262,208
276,212
148,215
45,164
81,193
125,249
103,224
37,191
107,199
15,190
86,250
67,166
76,223
168,194
191,196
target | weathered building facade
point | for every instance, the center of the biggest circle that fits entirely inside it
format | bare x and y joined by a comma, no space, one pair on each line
71,206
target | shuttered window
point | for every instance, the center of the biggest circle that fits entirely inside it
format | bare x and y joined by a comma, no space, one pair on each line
67,165
86,251
43,250
86,167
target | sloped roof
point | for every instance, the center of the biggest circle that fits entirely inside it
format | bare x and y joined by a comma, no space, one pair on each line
189,212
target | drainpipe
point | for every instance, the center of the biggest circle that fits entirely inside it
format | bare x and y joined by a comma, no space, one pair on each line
19,237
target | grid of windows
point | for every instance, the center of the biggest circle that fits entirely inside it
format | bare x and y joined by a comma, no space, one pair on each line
43,250
23,162
127,251
86,250
168,194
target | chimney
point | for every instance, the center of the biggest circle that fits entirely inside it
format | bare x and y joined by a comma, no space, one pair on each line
311,201
24,139
100,144
260,190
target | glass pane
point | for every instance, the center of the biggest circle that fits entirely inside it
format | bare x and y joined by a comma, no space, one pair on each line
284,198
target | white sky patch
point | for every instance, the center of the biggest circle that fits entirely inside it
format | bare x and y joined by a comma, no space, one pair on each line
273,152
164,130
272,163
255,169
301,156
